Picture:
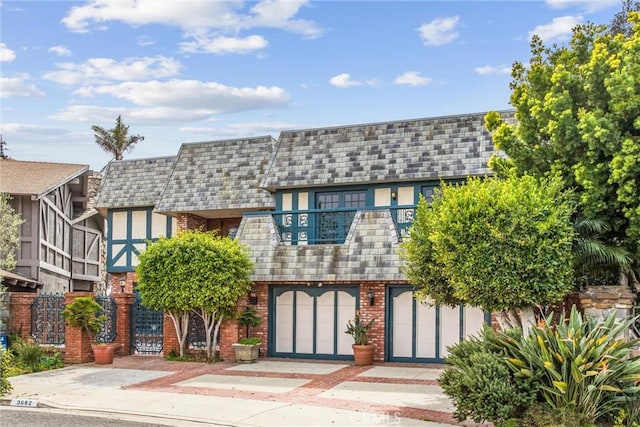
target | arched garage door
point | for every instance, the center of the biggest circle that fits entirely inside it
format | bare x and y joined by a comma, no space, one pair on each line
421,333
309,322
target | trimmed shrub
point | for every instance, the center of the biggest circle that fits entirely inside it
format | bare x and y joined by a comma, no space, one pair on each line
481,384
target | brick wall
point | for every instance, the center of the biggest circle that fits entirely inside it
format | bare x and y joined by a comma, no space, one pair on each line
129,279
187,221
77,345
20,313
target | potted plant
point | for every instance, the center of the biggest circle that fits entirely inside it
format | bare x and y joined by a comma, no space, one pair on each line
362,350
248,349
85,313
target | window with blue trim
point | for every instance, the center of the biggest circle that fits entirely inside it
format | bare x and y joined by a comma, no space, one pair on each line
332,227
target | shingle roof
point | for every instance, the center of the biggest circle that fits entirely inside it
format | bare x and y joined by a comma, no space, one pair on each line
219,175
429,148
132,183
20,177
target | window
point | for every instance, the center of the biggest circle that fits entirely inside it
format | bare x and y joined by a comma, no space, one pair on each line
427,192
332,227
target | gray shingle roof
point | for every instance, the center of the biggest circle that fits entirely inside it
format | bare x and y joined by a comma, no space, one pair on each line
134,183
418,149
219,175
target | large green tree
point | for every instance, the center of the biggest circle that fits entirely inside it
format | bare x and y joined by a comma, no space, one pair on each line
117,140
194,271
9,233
503,245
578,117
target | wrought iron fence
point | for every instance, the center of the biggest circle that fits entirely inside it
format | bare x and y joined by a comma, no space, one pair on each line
146,328
108,332
197,334
330,226
47,323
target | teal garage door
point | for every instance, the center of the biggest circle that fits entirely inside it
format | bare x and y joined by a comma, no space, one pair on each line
309,322
420,332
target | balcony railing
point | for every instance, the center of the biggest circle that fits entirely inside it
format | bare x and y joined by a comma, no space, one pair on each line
330,226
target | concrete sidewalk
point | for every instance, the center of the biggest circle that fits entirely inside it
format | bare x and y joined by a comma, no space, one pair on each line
267,393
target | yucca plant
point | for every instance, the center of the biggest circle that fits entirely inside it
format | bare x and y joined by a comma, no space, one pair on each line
583,365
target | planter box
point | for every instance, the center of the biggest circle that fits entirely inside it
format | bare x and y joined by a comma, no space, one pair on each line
246,353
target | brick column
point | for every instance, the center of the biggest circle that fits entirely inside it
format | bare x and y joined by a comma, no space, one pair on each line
169,337
123,302
77,343
375,311
228,335
20,313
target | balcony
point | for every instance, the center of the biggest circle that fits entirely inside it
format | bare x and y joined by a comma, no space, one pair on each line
331,226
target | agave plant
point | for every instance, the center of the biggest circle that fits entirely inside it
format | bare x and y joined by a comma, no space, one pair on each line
583,365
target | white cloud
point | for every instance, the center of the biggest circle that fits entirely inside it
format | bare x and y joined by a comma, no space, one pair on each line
6,54
98,114
587,5
490,69
193,15
60,50
559,28
100,70
18,86
225,45
439,31
412,78
35,130
344,80
145,41
193,95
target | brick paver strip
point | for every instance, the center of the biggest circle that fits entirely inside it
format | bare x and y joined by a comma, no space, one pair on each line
306,394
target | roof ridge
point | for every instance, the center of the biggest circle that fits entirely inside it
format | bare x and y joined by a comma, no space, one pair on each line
449,116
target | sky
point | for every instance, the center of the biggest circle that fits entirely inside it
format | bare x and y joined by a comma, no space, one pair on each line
202,70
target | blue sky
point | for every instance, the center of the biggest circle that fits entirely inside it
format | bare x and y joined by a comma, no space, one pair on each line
200,70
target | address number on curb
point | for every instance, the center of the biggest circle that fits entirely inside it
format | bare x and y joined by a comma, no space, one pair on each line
24,402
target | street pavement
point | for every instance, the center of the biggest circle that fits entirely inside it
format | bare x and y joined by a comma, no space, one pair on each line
271,392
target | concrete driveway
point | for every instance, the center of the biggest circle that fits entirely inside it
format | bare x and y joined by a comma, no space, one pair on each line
272,392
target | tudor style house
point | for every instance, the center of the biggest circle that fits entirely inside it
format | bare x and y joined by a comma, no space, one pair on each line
61,236
323,213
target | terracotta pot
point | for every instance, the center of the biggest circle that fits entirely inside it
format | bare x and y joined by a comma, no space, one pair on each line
103,353
363,354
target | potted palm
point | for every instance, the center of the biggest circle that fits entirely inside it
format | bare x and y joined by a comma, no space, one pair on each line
85,313
362,349
248,349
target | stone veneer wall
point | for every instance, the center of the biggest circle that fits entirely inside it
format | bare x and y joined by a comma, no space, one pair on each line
600,301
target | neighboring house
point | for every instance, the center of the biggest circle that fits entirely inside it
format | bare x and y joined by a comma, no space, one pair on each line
60,248
323,212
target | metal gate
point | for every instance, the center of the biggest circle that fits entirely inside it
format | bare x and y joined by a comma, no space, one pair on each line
47,323
146,329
